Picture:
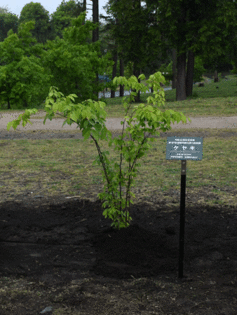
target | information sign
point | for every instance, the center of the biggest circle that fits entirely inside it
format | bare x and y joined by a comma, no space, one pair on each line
184,148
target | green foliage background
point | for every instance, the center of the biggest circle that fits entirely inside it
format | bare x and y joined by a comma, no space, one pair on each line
36,12
23,80
28,68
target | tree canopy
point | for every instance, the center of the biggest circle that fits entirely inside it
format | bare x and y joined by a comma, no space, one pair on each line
63,15
23,80
36,12
8,21
73,61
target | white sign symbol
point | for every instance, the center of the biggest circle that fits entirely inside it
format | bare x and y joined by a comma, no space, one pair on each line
184,148
175,147
192,147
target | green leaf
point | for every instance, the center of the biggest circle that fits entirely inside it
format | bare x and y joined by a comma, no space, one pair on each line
86,133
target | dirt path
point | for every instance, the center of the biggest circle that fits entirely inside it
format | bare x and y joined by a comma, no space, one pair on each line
114,123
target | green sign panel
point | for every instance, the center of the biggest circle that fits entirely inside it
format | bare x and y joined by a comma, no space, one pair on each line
184,148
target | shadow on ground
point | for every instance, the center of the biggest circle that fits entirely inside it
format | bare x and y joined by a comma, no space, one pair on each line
66,254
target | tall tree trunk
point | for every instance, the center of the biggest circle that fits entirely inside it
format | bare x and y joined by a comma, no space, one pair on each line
95,38
115,60
189,75
84,9
181,82
121,92
137,72
95,33
174,58
216,79
84,5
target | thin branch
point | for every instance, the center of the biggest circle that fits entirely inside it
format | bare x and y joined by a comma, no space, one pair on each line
102,162
121,158
120,167
131,168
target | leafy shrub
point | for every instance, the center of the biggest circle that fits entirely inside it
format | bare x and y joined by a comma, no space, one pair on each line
138,127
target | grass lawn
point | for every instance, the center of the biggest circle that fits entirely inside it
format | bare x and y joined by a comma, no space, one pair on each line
63,164
214,99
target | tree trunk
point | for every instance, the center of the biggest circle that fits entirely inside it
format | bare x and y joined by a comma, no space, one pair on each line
84,5
181,84
8,104
137,72
25,104
174,57
115,59
121,92
77,88
95,38
216,79
190,72
95,33
84,9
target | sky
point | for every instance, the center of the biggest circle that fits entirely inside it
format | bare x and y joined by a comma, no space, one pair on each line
15,6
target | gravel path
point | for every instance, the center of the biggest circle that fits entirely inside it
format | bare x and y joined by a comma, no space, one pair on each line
53,129
114,123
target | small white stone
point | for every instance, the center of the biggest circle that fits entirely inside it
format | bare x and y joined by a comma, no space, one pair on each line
47,309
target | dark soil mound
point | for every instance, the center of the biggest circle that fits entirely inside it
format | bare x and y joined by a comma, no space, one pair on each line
40,240
56,243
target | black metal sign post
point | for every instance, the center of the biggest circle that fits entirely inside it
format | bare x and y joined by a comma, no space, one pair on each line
182,217
183,148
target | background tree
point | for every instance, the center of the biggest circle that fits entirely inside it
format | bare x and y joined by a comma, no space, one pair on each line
3,10
73,62
106,36
8,21
108,46
95,38
108,43
36,12
231,21
218,36
95,17
184,25
132,33
23,81
63,15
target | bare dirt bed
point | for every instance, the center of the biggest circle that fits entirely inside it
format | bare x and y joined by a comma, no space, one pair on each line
62,257
66,256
